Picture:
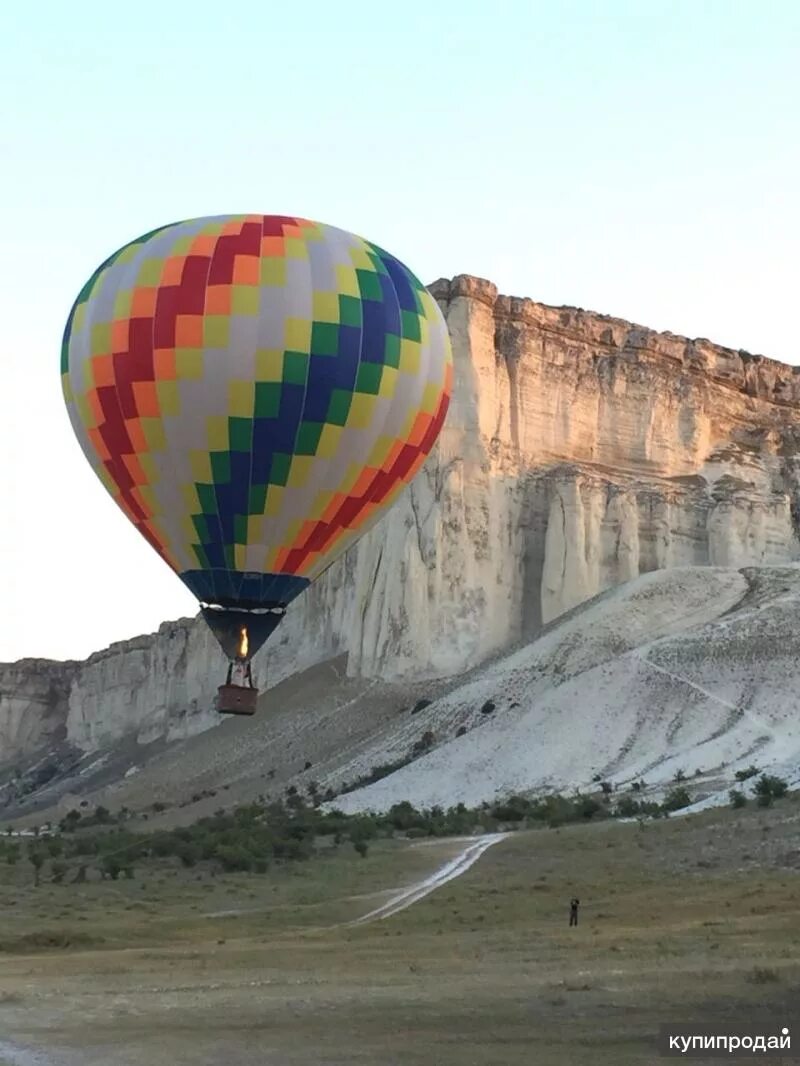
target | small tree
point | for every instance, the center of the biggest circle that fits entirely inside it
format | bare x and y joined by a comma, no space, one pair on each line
676,799
737,798
627,807
362,847
110,866
36,858
69,822
769,788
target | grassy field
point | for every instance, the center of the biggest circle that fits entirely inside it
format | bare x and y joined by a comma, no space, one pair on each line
687,919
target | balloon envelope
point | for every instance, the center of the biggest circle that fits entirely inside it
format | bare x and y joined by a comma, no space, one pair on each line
254,391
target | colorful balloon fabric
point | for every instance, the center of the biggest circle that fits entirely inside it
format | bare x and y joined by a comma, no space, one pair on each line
254,391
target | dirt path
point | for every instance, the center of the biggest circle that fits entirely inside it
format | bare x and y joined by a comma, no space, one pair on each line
452,869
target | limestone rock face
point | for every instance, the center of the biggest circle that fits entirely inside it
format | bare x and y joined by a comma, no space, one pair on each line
33,704
580,451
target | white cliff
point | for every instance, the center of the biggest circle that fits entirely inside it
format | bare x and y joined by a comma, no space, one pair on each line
579,452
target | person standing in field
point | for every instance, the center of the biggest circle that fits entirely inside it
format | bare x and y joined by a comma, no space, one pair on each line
573,911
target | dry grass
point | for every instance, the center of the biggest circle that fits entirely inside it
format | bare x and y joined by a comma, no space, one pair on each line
484,971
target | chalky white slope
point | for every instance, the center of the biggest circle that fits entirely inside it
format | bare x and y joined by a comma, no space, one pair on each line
688,669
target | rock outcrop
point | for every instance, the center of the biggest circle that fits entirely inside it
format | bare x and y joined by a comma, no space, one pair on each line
580,451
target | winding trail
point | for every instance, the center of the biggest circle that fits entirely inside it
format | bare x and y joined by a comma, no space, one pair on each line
452,869
743,712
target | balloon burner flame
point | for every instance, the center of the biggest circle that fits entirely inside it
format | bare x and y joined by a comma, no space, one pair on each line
244,643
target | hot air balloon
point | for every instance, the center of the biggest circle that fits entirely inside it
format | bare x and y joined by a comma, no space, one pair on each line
254,391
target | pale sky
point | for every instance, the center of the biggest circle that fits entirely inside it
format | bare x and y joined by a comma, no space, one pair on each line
640,159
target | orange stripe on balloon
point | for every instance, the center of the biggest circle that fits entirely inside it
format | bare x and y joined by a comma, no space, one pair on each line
119,334
234,228
146,399
272,247
172,271
99,444
246,270
143,302
330,511
164,364
133,427
218,300
306,530
391,458
281,560
203,245
102,370
415,467
365,479
134,468
189,331
94,403
419,429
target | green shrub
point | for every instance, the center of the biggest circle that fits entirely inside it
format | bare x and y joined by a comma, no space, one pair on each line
676,799
737,798
769,788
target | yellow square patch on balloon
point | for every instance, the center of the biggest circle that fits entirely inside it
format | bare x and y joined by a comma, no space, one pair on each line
273,271
200,465
78,319
360,258
274,501
169,400
255,529
297,334
269,364
379,452
328,441
150,272
122,303
245,300
354,472
128,254
241,398
153,430
347,281
295,248
388,379
326,307
299,470
191,500
431,397
216,331
410,352
320,505
217,433
189,364
85,411
101,338
362,408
